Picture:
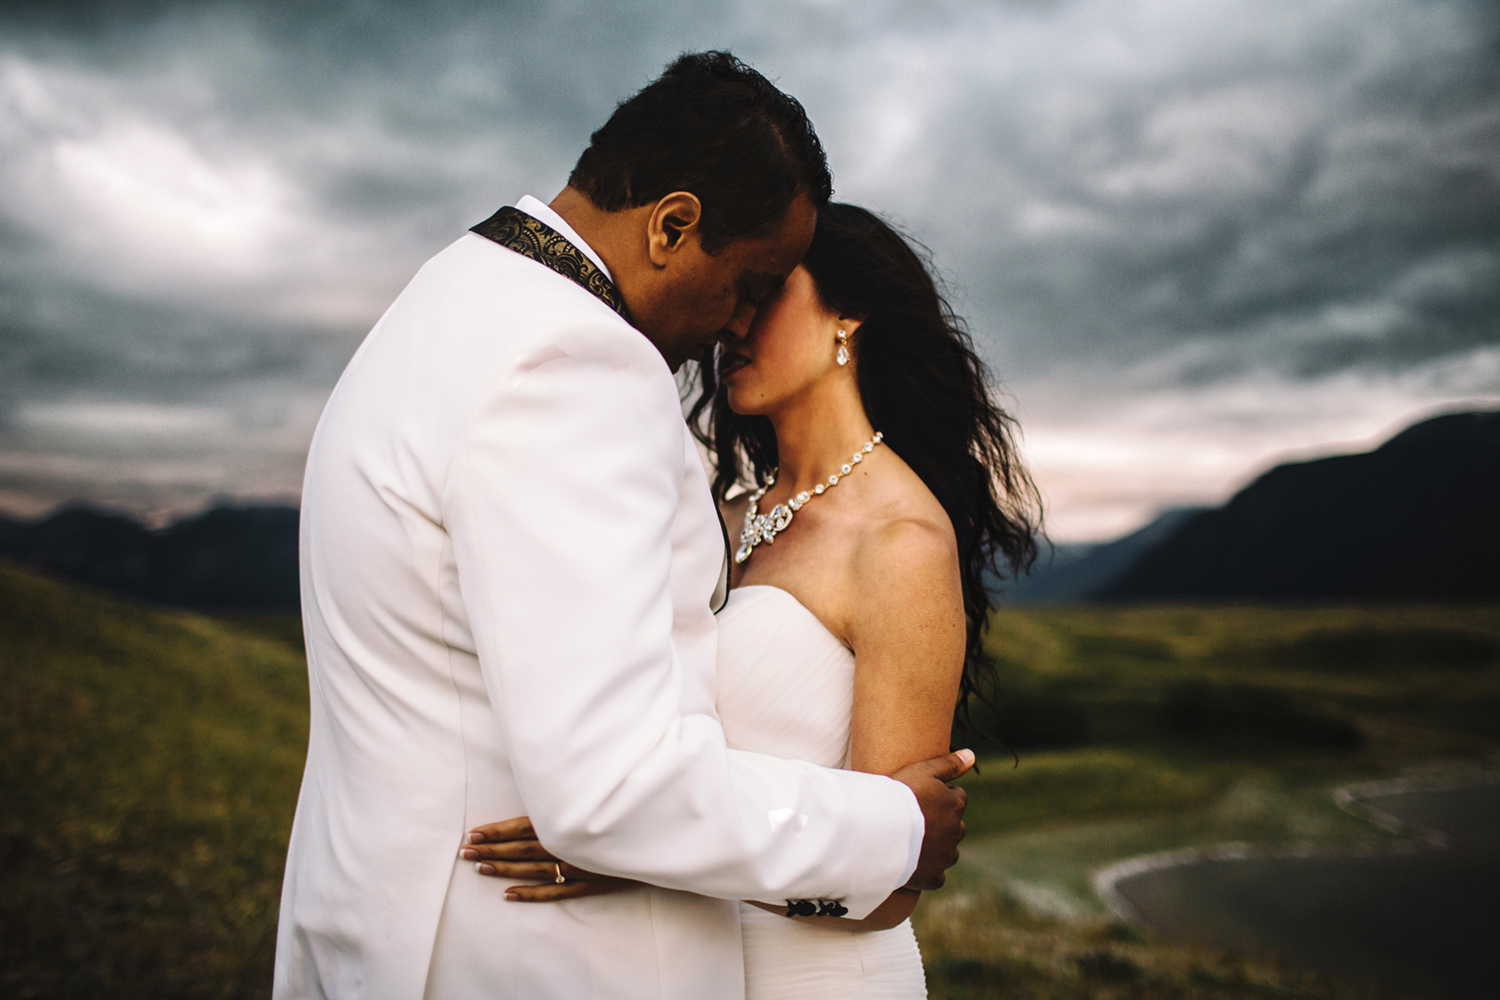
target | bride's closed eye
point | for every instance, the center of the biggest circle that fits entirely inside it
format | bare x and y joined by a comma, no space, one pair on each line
760,288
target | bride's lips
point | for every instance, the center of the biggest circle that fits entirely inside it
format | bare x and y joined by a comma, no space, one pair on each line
730,362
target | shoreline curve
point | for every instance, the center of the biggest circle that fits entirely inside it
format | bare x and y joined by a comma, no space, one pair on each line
1352,798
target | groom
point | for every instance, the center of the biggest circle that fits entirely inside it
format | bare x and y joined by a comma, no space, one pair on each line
510,560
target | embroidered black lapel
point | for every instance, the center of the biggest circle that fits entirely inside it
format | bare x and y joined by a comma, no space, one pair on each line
534,239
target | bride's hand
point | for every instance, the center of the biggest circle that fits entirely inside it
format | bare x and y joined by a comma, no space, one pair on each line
509,849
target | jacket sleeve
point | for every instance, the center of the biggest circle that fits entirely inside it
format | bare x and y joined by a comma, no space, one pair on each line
560,502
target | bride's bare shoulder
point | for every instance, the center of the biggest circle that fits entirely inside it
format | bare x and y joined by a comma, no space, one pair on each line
906,544
906,519
912,546
906,589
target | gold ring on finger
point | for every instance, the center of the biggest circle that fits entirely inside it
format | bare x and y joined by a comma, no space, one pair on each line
561,878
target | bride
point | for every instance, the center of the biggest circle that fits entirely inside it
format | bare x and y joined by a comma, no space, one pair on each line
885,483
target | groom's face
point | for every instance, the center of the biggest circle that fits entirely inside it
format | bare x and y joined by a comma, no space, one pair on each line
703,298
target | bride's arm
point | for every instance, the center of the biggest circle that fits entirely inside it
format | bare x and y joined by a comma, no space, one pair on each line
905,623
906,626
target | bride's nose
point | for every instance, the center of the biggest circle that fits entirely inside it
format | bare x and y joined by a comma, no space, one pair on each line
738,327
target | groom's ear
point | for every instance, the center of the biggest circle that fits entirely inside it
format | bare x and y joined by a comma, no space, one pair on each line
672,225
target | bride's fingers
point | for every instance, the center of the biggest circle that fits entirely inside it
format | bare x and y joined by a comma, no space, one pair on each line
516,869
514,850
518,828
537,870
567,890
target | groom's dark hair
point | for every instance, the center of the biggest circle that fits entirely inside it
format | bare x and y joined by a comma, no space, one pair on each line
712,126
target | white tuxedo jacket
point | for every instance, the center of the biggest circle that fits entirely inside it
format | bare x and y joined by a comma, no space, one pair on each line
508,555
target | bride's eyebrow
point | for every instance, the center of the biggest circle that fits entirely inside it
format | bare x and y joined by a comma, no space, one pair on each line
759,284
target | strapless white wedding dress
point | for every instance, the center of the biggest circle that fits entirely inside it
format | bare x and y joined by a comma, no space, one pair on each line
786,688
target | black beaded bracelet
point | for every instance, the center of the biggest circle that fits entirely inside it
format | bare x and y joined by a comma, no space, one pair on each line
815,908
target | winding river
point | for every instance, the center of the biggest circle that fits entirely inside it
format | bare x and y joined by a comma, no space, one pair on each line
1425,922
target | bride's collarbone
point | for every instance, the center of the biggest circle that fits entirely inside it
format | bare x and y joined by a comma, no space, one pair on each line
802,568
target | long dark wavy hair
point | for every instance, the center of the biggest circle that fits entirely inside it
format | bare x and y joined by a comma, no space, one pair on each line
924,387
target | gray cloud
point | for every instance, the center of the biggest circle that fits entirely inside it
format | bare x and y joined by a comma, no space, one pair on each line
203,207
1258,190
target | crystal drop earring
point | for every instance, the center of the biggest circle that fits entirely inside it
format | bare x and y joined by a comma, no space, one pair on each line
843,339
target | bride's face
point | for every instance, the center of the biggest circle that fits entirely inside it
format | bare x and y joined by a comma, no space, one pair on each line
790,350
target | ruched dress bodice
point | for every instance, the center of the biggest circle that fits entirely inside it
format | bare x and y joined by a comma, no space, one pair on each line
786,688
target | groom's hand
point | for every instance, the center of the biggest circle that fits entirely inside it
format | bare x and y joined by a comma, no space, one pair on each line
943,809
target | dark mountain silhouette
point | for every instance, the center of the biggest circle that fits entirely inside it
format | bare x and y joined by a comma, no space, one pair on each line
226,559
1073,572
1416,519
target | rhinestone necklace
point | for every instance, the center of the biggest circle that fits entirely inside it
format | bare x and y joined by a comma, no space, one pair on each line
765,527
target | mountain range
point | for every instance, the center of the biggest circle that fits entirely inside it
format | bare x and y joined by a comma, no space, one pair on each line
1068,572
1417,519
226,559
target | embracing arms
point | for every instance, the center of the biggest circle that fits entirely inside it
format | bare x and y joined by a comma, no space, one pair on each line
561,506
907,629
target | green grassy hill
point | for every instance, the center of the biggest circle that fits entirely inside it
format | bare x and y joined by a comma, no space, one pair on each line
149,764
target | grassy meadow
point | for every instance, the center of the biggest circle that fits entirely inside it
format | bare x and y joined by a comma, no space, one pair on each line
1158,728
149,763
151,760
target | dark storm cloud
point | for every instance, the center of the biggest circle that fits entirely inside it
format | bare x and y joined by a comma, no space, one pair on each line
1241,192
204,206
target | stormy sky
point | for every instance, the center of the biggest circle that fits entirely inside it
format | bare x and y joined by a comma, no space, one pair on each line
1192,238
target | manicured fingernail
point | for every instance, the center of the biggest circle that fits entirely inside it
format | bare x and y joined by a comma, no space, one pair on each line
476,838
967,756
468,854
484,869
512,897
